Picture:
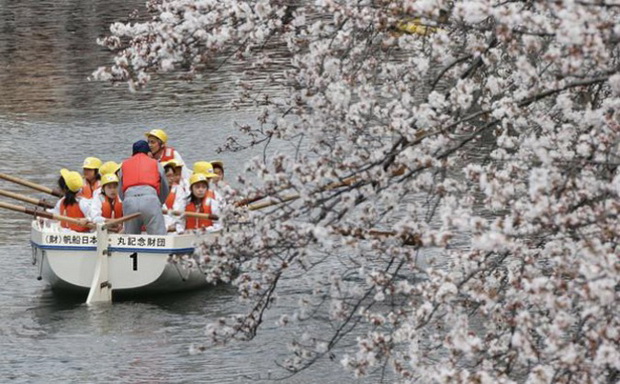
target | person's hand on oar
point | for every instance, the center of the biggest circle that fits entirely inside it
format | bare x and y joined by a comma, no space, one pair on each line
116,228
84,222
47,215
116,225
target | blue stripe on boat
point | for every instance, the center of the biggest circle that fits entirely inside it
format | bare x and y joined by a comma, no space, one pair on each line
152,250
114,249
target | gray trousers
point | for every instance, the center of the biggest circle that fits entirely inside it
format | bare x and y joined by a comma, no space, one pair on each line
140,199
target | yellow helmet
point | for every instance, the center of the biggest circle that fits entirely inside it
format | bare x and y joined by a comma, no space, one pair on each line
159,133
73,179
198,177
173,163
91,163
109,167
205,168
108,178
416,27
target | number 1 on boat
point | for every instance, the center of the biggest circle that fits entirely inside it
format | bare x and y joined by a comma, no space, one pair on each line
134,256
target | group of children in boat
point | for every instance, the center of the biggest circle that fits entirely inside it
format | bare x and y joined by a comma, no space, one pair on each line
152,181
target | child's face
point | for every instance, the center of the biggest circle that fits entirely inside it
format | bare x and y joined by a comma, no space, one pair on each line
178,171
219,173
111,190
89,174
170,176
199,189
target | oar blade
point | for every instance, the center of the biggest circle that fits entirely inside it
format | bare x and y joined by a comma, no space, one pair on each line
100,287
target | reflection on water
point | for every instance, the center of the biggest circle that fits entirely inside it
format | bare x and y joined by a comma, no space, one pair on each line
48,50
146,340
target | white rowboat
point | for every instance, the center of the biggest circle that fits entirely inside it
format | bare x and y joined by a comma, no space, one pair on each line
136,264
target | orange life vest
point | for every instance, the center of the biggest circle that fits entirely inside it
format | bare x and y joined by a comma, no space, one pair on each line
167,155
111,210
87,189
140,170
72,211
210,193
194,222
170,199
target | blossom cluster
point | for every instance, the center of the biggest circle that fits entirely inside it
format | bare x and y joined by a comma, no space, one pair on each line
451,202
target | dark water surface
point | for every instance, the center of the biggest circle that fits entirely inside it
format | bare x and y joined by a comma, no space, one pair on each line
52,117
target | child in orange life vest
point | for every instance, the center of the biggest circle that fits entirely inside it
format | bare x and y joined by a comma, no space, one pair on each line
206,168
175,177
200,201
107,167
177,194
107,204
91,175
179,178
71,204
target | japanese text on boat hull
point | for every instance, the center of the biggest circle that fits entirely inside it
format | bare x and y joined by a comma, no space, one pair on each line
137,241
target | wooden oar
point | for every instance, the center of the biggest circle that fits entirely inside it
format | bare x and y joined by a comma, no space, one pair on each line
274,201
334,185
198,215
40,202
112,222
250,200
32,185
277,200
44,214
359,233
337,184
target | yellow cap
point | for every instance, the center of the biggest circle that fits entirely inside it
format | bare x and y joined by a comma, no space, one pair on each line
159,133
198,177
174,163
109,167
91,163
73,179
108,178
416,27
205,168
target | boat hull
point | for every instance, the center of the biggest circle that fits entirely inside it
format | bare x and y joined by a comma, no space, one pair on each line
138,264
